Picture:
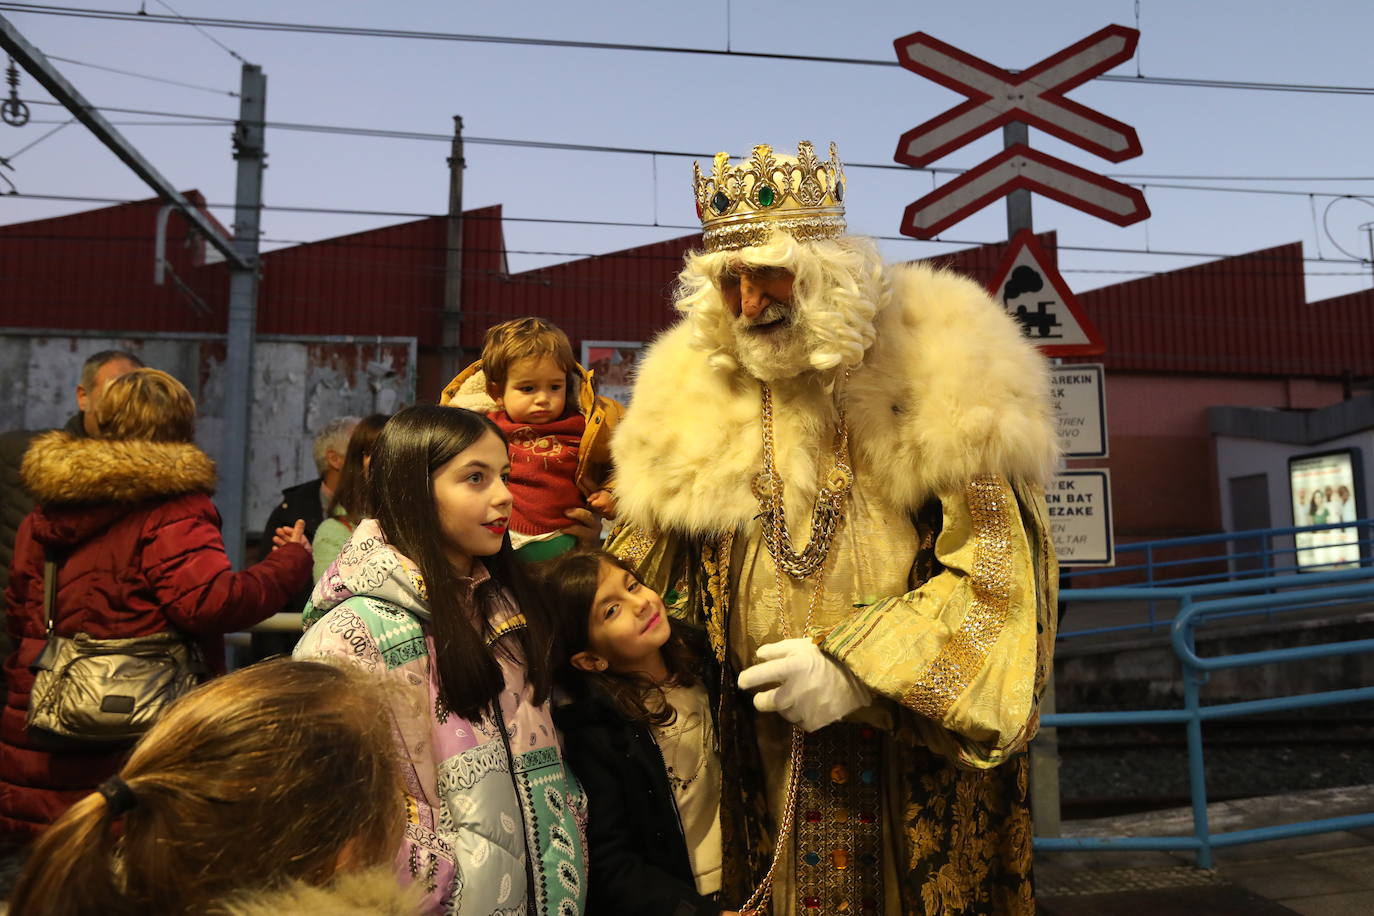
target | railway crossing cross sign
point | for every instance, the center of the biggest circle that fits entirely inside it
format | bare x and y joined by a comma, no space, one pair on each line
997,97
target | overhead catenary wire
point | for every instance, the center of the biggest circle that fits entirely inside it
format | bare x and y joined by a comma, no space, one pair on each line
324,246
143,76
142,11
637,224
40,139
201,22
221,120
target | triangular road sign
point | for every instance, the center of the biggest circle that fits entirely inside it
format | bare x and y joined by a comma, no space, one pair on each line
1029,287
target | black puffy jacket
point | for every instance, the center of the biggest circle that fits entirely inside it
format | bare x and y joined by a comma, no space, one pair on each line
639,865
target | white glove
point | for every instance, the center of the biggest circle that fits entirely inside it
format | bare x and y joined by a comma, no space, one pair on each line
813,690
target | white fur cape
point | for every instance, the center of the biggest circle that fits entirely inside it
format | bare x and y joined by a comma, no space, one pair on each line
948,391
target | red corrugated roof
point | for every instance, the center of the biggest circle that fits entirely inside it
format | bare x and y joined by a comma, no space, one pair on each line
1236,316
1242,315
95,270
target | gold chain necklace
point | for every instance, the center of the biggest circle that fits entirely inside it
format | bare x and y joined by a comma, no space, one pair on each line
825,519
829,508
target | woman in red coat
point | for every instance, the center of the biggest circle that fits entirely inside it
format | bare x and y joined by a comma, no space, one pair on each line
128,518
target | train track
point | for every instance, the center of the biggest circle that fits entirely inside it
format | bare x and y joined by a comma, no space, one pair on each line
1109,771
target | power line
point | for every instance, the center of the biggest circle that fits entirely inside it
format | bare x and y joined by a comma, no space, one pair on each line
143,76
969,243
25,149
218,120
142,11
327,246
427,35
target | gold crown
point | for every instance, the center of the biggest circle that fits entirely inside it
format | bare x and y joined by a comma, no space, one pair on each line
742,205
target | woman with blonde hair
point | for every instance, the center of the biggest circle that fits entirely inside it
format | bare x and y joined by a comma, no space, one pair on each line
126,517
274,789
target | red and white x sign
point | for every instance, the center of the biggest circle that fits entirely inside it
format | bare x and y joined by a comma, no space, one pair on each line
1017,167
1034,96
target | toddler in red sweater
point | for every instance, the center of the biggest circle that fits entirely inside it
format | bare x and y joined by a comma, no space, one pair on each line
529,370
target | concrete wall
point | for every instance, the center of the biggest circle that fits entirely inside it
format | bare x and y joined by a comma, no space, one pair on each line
299,384
1162,456
1141,671
1238,457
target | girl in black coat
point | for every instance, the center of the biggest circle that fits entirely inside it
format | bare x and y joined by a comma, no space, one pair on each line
640,737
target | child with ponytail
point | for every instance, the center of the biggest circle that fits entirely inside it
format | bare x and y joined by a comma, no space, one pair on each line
274,789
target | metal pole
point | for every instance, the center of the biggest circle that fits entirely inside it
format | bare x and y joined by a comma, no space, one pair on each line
41,69
1044,762
1197,771
451,342
243,309
1044,750
1018,201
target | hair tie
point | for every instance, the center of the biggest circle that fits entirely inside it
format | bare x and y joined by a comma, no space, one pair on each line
119,798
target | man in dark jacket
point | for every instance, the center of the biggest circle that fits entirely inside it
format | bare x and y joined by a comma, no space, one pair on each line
306,502
98,371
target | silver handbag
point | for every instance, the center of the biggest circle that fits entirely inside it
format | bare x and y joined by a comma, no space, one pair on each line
96,694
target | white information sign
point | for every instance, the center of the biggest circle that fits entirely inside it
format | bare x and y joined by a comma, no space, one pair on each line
1080,509
1080,407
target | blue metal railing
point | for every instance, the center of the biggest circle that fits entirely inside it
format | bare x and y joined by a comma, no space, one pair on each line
1198,604
1228,558
1233,557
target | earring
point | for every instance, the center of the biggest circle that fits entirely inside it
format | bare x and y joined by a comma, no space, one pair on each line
601,664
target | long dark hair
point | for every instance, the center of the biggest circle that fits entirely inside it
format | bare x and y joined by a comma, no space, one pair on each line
413,445
351,493
569,582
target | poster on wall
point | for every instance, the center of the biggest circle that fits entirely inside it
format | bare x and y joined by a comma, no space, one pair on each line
1326,489
612,363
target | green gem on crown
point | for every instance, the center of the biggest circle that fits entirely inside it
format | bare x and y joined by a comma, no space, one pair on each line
767,196
721,202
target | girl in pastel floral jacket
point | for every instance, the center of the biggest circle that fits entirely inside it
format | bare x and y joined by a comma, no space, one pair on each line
426,594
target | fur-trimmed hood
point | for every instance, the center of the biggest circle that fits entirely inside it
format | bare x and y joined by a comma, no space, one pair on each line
948,391
373,892
61,469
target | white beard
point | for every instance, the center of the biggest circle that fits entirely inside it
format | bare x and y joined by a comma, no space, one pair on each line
782,353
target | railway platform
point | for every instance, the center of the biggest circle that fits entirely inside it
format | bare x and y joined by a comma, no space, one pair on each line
1329,874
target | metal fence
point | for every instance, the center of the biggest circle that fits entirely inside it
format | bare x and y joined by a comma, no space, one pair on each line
1196,605
1153,571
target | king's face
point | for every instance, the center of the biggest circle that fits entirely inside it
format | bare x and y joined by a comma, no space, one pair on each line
769,329
751,292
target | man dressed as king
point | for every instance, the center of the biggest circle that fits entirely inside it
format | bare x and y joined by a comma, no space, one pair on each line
836,467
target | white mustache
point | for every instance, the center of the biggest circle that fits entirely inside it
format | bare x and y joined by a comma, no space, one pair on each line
776,311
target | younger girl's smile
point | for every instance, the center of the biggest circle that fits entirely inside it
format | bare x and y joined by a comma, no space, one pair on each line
627,626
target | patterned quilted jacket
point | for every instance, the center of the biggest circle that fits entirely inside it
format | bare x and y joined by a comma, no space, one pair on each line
495,822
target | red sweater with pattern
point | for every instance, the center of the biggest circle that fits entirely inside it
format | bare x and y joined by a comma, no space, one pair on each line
543,471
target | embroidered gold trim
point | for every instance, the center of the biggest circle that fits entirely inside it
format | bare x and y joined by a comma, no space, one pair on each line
718,586
757,232
990,505
636,546
838,846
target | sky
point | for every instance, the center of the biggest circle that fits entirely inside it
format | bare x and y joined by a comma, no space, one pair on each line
699,104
